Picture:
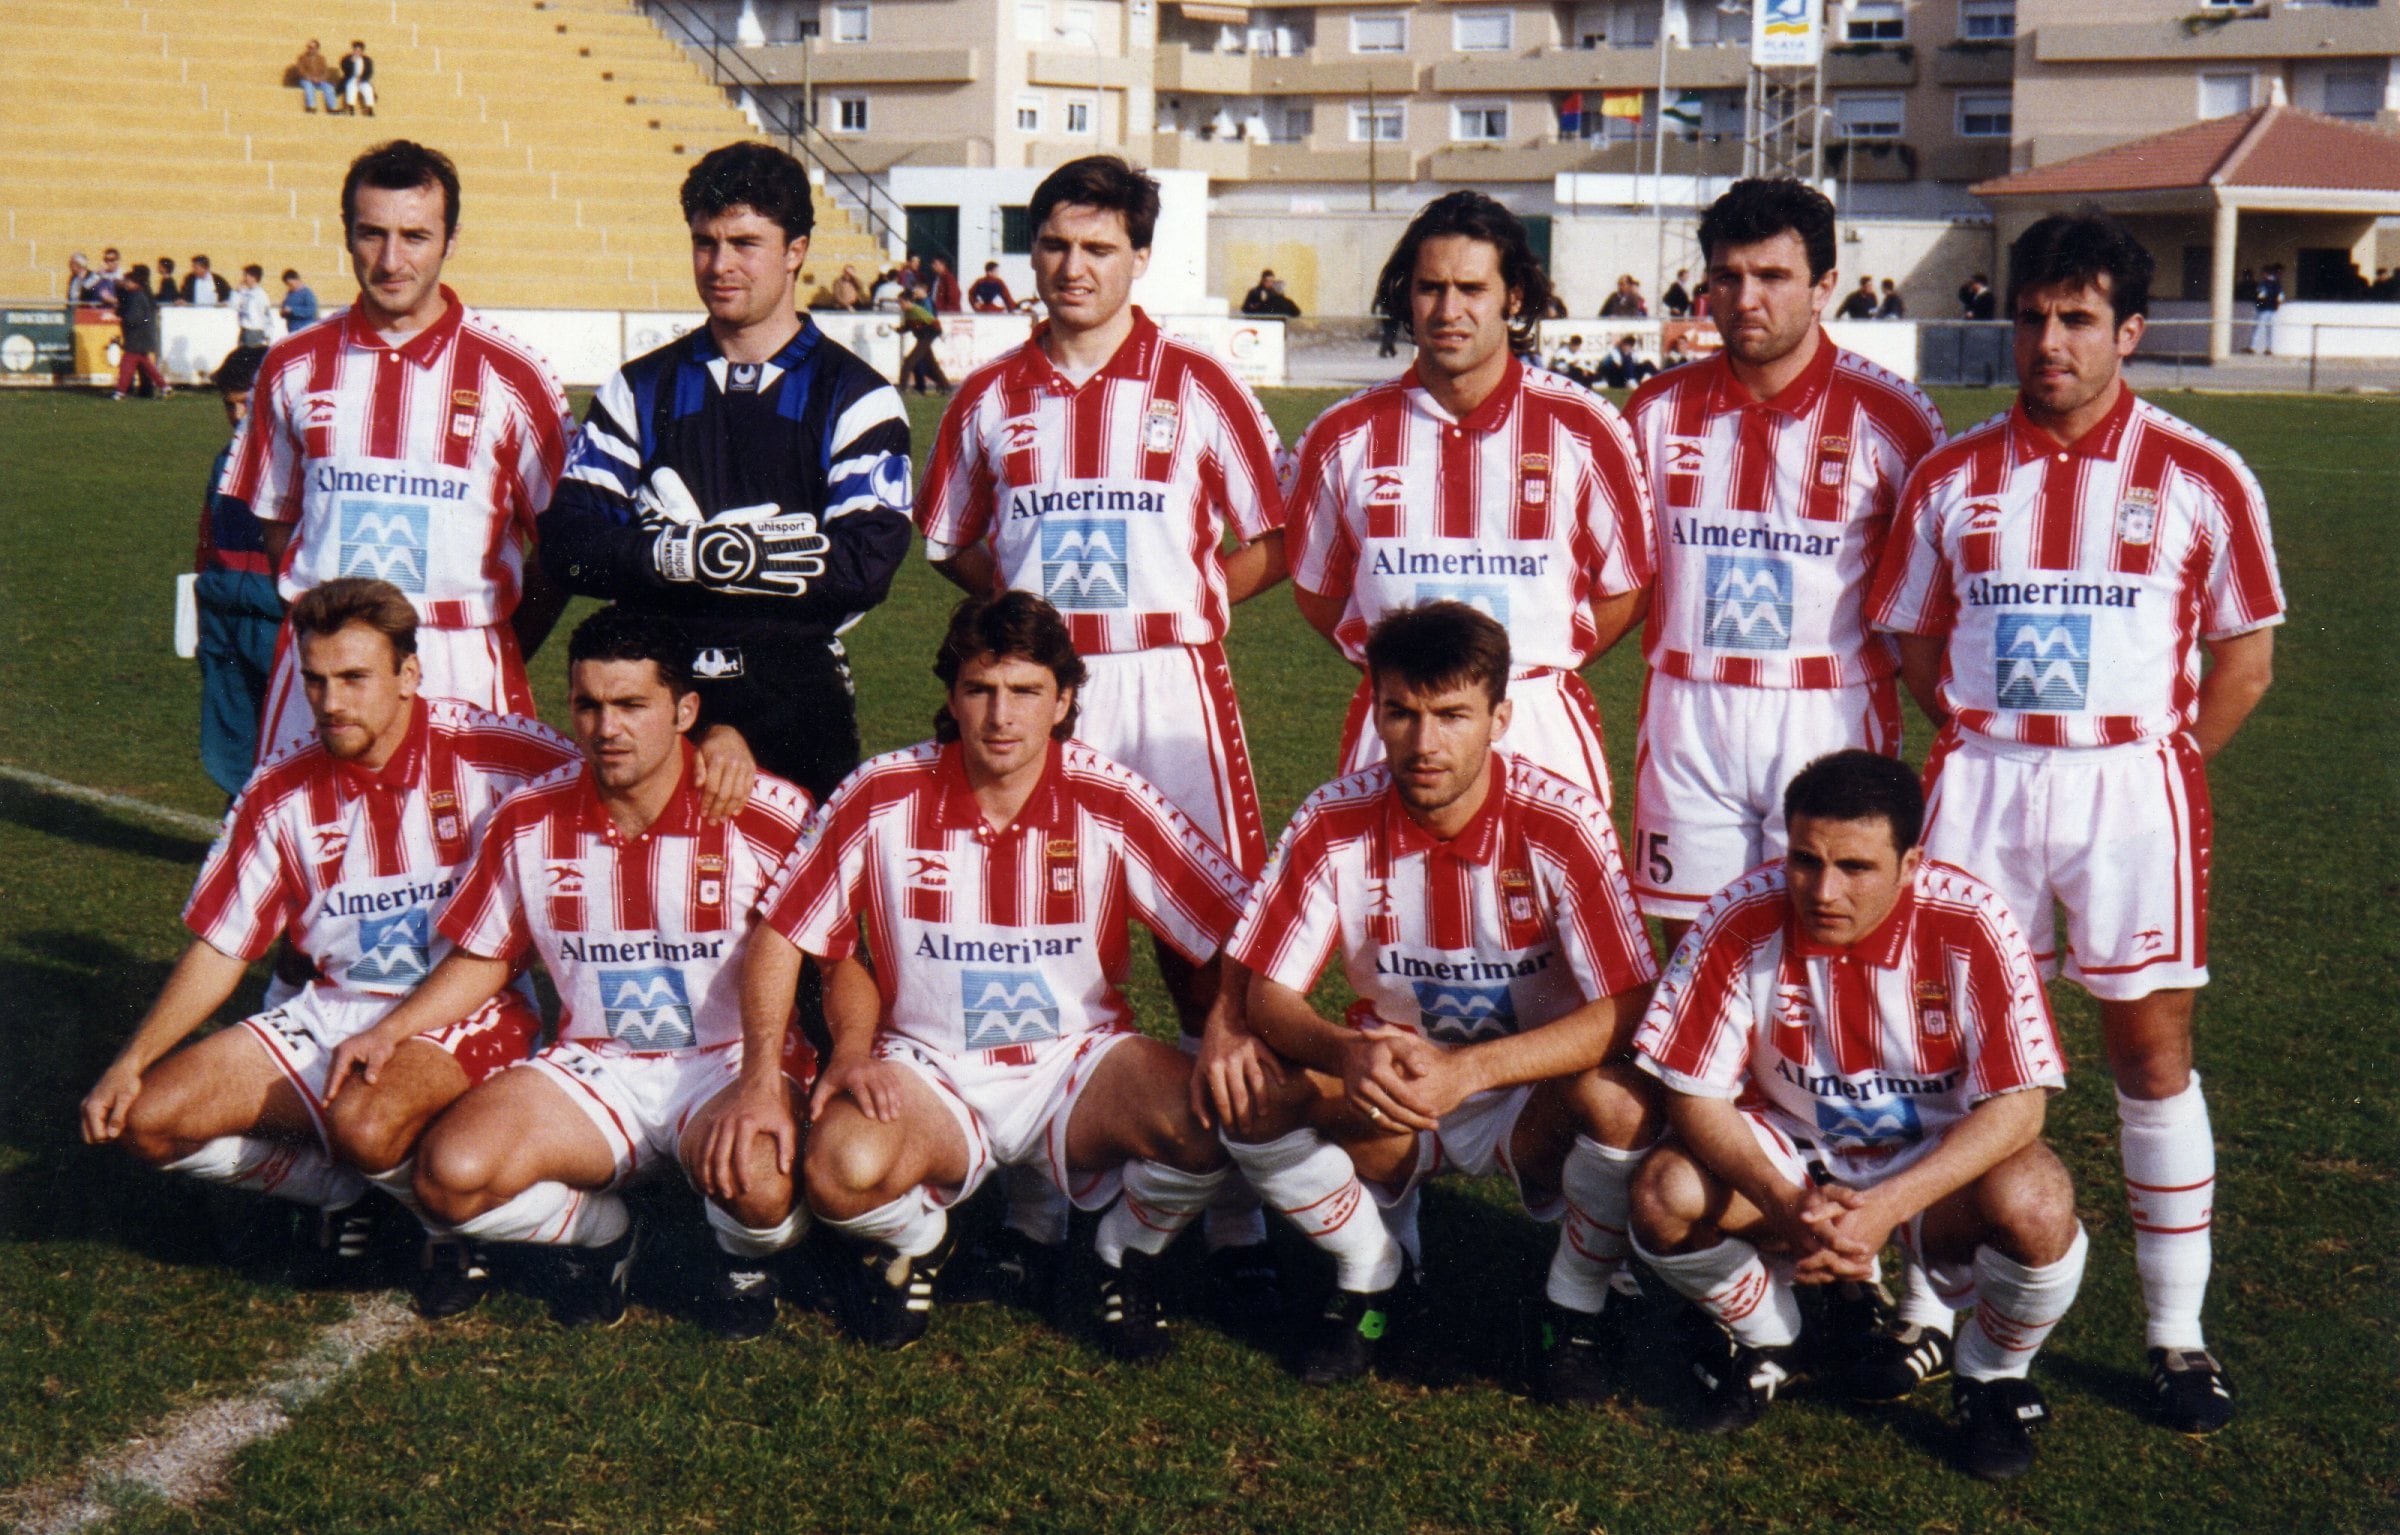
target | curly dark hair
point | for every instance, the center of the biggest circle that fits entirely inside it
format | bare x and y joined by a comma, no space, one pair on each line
1477,217
402,165
2078,249
618,633
1759,209
1013,624
751,175
1858,785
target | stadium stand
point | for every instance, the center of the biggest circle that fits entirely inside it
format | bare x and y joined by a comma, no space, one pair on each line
164,126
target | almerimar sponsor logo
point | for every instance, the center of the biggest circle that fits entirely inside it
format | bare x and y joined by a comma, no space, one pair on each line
396,483
590,951
1027,502
365,903
1691,532
1390,561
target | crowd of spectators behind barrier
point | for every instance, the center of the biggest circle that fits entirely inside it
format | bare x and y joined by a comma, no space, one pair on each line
136,294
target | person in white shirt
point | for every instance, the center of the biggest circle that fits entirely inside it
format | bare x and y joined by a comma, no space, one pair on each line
250,308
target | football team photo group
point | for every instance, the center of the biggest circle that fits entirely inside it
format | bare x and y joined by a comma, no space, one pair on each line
1764,1048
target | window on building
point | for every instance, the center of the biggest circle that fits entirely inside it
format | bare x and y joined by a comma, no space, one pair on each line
1483,31
1863,116
850,23
1987,20
1033,21
2222,95
1016,231
1080,24
1983,114
1079,115
1029,114
1479,122
1876,21
1288,124
1387,123
2354,93
849,114
1379,32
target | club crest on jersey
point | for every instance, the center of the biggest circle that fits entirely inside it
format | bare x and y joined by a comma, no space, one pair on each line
2042,660
716,663
463,405
1686,455
1062,865
1006,1007
385,540
1084,568
712,879
1386,487
2137,516
1516,893
1833,456
648,1008
1158,427
1533,479
1459,1014
927,871
1933,1009
444,806
393,951
1749,602
1891,1121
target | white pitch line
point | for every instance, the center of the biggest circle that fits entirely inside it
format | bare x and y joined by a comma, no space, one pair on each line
187,1457
181,820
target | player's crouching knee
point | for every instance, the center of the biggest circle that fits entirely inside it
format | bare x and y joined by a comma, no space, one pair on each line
454,1178
2028,1206
846,1175
372,1134
1669,1200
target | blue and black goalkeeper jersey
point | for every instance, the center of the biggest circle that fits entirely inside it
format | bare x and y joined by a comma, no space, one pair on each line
813,430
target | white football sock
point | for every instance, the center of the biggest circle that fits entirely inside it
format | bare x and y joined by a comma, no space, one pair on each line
2171,1185
1400,1219
1158,1202
2015,1309
1732,1283
1036,1207
1921,1303
1592,1243
553,1214
1237,1217
911,1225
1311,1181
753,1241
304,1175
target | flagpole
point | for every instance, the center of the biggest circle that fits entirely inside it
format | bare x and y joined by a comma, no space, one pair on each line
1658,183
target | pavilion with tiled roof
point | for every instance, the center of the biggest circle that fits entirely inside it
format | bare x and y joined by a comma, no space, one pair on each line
2239,191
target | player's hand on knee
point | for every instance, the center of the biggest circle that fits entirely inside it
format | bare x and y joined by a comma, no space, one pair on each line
1374,1084
727,772
727,1157
365,1053
873,1085
774,555
109,1102
1427,1076
1232,1078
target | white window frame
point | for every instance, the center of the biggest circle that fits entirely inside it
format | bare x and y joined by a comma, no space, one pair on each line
1397,111
2249,80
1482,111
1461,20
1033,21
841,113
1875,21
1079,115
846,11
1846,107
1975,18
1974,104
1029,107
1397,19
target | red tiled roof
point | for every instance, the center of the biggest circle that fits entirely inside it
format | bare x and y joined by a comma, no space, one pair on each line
2271,146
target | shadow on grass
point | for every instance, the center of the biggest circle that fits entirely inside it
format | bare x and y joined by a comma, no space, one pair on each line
103,830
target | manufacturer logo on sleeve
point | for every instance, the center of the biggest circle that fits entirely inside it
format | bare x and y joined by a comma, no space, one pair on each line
1006,1007
385,540
1749,603
1084,569
648,1009
2042,660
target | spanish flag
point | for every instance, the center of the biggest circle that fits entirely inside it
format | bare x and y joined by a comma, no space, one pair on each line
1621,104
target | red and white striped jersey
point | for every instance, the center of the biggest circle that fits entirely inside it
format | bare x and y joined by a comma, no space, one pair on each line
1111,498
1874,1049
1529,508
986,940
354,865
1772,514
422,464
2074,583
643,935
1521,918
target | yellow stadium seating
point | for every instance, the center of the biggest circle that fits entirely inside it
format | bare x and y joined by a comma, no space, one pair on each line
164,127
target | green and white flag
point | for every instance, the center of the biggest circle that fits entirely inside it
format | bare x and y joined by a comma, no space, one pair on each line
1684,110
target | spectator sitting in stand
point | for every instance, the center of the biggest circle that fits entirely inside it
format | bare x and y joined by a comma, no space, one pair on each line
1572,363
299,303
1624,367
888,289
990,295
1891,308
1626,303
358,80
204,287
1859,304
846,291
316,78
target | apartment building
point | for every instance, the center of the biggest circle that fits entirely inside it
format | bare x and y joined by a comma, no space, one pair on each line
1338,105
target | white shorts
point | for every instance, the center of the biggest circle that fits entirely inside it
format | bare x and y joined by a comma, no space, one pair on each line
1169,714
1013,1104
641,1101
1474,1140
300,1036
476,666
1553,723
2117,835
1954,1282
1709,774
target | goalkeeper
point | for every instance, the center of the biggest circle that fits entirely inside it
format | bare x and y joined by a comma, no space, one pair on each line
750,479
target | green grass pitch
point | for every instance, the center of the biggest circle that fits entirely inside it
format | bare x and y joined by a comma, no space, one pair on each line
114,1309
